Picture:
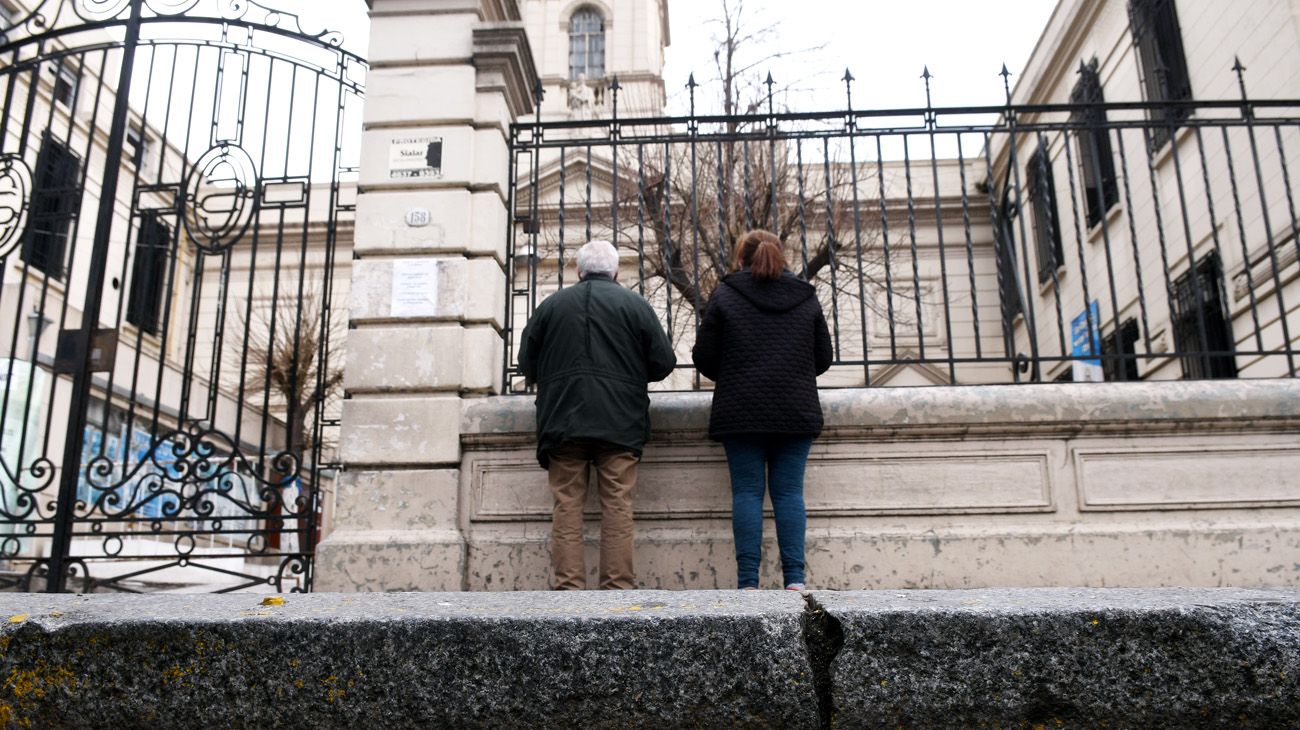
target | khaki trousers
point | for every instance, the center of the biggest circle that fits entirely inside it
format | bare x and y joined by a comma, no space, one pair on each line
615,477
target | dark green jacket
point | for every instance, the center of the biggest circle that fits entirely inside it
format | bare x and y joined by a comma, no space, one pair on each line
591,348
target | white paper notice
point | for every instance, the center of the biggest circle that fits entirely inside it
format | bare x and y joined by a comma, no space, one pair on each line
415,288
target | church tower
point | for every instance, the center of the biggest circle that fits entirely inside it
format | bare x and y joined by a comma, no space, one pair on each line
580,46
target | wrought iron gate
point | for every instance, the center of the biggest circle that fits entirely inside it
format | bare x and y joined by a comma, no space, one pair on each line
173,175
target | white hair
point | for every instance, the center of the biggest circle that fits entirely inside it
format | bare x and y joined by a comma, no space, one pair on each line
597,257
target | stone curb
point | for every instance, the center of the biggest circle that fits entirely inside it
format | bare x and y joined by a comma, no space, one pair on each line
988,658
1061,657
417,660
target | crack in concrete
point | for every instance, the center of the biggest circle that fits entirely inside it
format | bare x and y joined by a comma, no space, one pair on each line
824,637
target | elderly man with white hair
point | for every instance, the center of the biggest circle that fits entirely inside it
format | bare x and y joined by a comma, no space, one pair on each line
591,349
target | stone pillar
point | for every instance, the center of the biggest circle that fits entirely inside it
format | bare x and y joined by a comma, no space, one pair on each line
428,284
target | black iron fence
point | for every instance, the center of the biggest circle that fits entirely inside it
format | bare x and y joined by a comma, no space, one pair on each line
1008,243
172,186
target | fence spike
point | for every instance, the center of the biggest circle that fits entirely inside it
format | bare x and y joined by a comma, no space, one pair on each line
1006,81
1240,71
690,87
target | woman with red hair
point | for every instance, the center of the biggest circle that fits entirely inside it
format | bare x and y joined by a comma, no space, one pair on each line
763,341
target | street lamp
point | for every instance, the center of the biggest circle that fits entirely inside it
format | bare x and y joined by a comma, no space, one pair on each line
36,324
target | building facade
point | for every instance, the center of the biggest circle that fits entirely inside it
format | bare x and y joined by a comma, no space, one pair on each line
923,233
1156,203
1148,239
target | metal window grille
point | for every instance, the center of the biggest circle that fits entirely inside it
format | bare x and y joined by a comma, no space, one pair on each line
1047,227
1003,218
1159,41
586,44
1118,351
1201,327
1096,156
54,203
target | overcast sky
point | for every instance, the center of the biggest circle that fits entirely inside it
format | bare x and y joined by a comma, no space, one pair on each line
885,43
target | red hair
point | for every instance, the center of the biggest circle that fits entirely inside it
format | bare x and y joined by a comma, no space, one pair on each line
760,252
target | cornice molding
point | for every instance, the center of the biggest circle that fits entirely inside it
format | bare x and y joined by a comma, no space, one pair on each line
504,62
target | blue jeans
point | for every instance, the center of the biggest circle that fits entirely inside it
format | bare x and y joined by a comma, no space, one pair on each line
757,463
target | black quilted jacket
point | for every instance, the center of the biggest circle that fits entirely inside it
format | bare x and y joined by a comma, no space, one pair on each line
763,343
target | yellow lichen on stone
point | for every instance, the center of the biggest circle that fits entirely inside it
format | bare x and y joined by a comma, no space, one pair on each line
33,682
177,674
273,601
29,686
18,618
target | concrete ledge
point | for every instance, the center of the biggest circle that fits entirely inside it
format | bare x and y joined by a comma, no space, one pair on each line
522,660
1010,658
1177,658
1074,407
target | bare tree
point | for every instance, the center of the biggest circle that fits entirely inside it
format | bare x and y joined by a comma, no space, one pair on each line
291,372
683,206
680,201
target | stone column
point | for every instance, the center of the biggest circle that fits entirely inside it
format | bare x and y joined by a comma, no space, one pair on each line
428,284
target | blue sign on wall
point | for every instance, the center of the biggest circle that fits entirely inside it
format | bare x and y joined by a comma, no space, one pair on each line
1085,340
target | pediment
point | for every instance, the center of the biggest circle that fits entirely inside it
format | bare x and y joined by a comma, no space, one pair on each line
910,373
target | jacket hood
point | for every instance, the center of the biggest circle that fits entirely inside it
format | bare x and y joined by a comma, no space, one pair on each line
779,295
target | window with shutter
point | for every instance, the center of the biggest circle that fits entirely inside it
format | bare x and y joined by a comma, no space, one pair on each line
55,201
1096,160
1121,346
1159,41
1201,327
149,274
1047,222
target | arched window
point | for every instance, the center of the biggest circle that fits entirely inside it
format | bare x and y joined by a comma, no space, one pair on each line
587,44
